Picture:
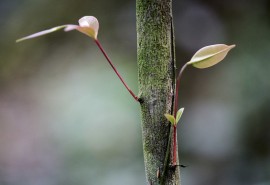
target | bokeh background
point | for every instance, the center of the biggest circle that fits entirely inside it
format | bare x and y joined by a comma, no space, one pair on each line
66,119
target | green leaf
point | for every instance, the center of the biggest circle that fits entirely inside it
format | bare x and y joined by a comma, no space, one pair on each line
179,114
210,55
170,118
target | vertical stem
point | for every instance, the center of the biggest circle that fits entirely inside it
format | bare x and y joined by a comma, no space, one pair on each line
177,89
174,146
174,113
115,70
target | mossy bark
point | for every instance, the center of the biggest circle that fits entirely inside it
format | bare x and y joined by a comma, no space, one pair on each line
156,66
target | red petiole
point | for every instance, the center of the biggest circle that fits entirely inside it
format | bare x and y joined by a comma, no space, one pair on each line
115,70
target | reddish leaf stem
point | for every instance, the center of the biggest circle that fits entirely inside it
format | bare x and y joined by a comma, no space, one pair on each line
174,146
175,111
115,70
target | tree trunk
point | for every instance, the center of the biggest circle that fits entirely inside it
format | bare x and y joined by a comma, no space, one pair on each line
156,66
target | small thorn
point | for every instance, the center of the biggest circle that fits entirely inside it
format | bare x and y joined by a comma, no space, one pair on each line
180,165
183,166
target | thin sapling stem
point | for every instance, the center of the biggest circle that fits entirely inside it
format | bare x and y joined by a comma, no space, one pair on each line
177,88
115,70
174,113
203,58
174,146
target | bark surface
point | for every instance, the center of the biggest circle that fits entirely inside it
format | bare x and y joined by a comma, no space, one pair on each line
156,66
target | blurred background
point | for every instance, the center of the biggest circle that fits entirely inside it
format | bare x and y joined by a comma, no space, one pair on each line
66,119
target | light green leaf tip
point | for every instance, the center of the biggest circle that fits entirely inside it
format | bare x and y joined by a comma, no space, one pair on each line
170,118
210,55
179,114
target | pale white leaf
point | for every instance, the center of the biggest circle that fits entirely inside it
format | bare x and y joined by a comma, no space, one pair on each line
89,25
44,32
210,55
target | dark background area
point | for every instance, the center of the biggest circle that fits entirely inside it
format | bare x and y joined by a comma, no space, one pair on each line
66,119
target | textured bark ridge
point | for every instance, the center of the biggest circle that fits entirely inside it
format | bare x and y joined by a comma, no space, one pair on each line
155,45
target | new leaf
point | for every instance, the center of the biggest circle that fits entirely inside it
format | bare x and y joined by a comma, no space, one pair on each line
210,55
179,114
170,118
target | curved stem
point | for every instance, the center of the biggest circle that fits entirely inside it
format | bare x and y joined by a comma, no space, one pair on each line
175,111
177,88
115,70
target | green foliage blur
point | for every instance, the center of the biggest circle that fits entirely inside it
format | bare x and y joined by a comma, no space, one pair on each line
66,119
